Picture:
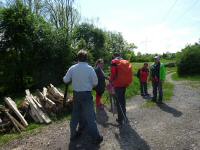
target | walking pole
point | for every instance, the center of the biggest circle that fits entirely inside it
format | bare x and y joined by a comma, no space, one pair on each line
125,117
65,96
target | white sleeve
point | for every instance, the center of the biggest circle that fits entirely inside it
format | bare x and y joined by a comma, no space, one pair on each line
68,77
94,77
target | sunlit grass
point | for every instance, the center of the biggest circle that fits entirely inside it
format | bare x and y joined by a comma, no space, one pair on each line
168,92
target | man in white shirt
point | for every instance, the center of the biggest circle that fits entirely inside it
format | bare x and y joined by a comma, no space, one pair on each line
83,78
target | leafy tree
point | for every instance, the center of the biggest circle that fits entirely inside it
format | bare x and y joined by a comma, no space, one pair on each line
90,38
17,30
32,53
188,60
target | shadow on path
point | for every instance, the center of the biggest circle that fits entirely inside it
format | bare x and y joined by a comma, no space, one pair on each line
102,117
84,142
169,109
130,140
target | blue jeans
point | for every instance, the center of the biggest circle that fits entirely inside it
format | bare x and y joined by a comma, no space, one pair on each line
83,112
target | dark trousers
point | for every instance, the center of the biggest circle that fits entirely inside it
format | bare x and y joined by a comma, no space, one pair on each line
121,102
143,88
157,88
83,114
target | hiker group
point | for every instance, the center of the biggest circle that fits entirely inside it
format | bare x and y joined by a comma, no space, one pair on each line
84,79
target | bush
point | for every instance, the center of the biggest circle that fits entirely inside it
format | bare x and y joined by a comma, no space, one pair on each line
188,60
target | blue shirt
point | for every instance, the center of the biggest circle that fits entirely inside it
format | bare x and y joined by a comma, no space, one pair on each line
83,77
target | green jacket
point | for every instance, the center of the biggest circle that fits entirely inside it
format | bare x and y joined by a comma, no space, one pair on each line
154,71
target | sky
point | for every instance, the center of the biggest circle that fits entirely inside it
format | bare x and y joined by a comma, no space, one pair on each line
154,26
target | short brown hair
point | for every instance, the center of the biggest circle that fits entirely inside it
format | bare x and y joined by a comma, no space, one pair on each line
82,56
99,61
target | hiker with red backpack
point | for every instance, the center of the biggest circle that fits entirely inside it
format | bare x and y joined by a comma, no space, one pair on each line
120,78
143,74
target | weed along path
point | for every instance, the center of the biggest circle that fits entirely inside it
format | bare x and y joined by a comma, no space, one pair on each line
174,125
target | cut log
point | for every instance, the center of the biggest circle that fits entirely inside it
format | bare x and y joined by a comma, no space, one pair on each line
34,110
13,107
11,119
47,101
39,113
32,97
52,98
55,92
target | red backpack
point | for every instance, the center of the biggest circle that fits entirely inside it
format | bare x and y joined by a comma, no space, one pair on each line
124,73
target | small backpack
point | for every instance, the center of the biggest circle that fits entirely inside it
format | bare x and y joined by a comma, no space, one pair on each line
124,73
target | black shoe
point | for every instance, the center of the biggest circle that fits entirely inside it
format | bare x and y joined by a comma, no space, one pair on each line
119,121
98,140
160,102
147,94
142,94
75,136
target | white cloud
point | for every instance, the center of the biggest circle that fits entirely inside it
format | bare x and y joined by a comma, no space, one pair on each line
160,38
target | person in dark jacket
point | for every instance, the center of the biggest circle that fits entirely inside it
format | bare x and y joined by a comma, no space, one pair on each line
100,88
143,77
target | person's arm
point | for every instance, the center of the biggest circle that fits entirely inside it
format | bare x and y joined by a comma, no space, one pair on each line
68,77
94,78
113,71
163,73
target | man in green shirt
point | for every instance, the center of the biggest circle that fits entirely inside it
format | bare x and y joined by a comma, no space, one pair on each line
157,76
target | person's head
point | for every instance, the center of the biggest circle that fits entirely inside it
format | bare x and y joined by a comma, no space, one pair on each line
157,59
82,56
117,54
145,65
99,63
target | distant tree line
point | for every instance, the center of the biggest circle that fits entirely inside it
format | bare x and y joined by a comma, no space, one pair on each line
39,40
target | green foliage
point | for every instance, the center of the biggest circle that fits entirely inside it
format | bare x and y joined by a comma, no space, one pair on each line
90,38
32,54
176,77
188,62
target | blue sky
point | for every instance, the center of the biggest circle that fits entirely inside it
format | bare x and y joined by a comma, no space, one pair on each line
155,26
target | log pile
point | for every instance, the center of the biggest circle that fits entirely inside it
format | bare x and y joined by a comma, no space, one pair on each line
48,102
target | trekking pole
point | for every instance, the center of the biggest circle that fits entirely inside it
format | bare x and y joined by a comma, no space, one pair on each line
65,96
125,117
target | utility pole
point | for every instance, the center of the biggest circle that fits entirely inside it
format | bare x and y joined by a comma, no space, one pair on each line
146,41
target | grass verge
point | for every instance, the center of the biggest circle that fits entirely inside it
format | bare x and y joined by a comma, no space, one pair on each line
168,92
31,129
176,77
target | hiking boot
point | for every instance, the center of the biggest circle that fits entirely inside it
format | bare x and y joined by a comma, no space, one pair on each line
160,102
98,140
147,94
75,136
120,122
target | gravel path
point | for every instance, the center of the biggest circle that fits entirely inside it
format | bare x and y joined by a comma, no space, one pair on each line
174,126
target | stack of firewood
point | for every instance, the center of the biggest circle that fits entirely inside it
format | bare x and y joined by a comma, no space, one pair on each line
12,115
38,107
47,102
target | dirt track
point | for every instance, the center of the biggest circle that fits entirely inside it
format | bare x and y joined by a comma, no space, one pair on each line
174,126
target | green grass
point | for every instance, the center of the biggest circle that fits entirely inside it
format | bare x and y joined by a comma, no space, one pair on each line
176,77
33,128
168,92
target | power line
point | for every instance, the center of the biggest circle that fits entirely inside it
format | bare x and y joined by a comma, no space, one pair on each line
190,8
170,9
